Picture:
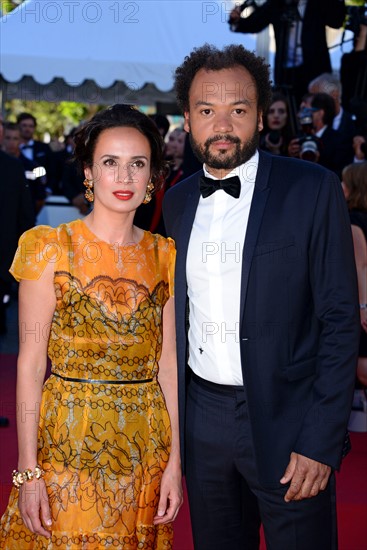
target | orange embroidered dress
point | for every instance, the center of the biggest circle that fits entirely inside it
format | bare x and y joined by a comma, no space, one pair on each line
104,435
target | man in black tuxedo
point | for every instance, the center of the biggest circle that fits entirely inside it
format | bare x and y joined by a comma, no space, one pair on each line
334,152
36,151
267,319
343,121
16,216
11,143
300,35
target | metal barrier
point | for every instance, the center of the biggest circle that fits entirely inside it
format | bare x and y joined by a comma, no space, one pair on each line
56,210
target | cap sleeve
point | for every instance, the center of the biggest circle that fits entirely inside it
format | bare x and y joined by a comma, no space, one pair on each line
171,266
36,248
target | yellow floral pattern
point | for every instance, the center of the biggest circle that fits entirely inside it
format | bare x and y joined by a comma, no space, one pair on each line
103,446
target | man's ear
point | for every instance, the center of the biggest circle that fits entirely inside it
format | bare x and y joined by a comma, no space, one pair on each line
187,121
260,123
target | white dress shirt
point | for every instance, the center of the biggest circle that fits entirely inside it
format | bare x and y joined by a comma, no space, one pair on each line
337,119
27,149
214,267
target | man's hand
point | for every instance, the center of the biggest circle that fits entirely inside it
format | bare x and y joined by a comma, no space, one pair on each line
357,143
307,477
294,148
235,15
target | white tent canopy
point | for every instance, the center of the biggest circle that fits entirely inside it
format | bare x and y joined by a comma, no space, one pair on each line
106,51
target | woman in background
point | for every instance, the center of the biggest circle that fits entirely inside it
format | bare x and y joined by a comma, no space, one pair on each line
276,133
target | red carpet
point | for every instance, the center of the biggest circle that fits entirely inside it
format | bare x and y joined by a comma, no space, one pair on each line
351,482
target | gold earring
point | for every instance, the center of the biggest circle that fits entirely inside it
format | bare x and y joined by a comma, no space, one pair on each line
148,193
89,195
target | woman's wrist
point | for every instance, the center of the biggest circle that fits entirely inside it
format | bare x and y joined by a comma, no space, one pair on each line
175,460
27,461
20,477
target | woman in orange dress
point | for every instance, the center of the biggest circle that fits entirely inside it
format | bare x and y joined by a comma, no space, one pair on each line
99,462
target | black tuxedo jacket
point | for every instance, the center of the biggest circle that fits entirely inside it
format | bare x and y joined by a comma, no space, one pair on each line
298,311
316,58
16,210
335,152
347,126
43,156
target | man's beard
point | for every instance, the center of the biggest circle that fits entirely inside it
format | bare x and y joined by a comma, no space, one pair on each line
223,160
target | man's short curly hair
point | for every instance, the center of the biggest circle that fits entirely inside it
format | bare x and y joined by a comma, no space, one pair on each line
211,58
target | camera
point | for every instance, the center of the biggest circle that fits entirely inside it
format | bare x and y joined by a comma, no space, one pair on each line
305,120
309,149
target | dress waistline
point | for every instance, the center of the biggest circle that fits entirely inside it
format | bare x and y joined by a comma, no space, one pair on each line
93,381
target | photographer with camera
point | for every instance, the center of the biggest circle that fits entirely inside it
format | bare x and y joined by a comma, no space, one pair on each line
306,145
344,121
299,28
319,142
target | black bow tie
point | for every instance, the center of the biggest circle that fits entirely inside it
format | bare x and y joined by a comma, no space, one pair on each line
232,186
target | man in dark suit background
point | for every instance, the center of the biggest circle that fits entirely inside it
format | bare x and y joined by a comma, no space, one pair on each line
38,152
334,152
267,319
300,35
11,142
16,216
343,122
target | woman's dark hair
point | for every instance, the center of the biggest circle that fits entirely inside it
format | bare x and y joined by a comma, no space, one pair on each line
286,131
11,126
278,96
118,116
354,177
210,58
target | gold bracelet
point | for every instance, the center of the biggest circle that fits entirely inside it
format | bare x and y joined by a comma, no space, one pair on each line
20,477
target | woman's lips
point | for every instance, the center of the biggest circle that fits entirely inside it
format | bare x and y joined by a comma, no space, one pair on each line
123,195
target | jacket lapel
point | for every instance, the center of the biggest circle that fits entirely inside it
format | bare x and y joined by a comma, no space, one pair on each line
261,193
182,237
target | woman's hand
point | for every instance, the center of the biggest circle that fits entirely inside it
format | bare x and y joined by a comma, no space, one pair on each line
294,148
357,146
171,498
34,507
